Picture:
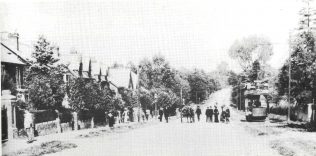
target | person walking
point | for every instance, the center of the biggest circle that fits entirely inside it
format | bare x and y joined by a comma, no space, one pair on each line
227,114
28,125
216,113
111,119
223,115
125,115
208,114
198,112
166,113
131,114
211,114
192,115
160,114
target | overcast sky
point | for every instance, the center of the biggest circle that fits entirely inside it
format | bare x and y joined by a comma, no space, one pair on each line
190,33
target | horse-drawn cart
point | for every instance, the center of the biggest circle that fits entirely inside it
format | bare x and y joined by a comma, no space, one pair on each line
188,113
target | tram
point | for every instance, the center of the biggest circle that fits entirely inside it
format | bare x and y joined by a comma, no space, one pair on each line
256,103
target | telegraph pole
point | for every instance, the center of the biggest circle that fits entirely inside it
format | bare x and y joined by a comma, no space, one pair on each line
181,95
289,96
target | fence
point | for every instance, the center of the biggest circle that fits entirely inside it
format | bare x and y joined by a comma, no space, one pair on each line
297,113
63,122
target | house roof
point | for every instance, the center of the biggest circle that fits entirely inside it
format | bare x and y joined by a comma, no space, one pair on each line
122,77
10,56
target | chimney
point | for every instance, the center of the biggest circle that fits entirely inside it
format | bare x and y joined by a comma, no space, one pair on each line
17,36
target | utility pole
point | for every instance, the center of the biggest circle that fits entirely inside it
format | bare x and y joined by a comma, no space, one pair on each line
137,87
196,96
289,96
181,95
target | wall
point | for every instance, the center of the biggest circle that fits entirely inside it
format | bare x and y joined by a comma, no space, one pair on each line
46,128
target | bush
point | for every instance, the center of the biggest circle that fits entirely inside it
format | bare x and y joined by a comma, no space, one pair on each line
44,116
65,115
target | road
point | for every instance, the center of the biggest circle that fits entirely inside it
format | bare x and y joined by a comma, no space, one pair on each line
179,139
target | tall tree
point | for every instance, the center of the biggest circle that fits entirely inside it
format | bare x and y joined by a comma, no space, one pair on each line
249,49
307,14
303,58
90,70
254,73
45,78
80,67
99,76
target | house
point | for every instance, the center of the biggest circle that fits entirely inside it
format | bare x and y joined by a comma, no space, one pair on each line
121,78
12,66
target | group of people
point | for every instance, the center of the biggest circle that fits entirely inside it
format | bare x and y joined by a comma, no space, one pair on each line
224,115
126,115
164,112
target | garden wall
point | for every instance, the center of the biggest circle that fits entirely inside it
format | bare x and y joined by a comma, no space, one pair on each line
46,128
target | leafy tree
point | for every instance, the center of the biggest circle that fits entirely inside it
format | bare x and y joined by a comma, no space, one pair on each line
249,49
90,70
232,79
254,73
146,99
87,95
303,57
132,67
45,55
99,76
307,14
129,97
199,85
80,67
146,74
44,78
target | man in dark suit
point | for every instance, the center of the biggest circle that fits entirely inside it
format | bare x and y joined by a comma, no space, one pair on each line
160,114
166,113
198,112
207,114
216,113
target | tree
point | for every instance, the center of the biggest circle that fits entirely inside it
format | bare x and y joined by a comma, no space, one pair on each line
307,14
90,70
80,67
132,67
87,95
199,85
254,73
303,57
232,79
44,78
45,55
249,49
99,76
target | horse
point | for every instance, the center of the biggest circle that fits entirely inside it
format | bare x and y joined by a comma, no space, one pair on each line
188,113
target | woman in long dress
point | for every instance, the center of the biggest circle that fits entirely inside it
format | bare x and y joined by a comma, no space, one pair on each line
111,119
125,115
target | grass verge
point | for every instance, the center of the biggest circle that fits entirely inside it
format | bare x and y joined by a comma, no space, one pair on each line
44,148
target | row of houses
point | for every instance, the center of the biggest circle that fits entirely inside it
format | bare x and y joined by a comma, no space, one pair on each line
13,64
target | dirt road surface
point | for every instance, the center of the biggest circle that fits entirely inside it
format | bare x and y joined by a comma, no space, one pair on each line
179,139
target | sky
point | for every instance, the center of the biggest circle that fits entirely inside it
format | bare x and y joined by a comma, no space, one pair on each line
189,33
